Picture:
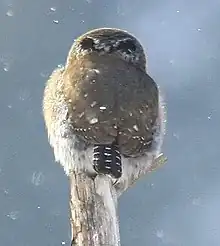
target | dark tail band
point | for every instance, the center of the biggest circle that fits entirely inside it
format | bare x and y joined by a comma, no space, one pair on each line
107,160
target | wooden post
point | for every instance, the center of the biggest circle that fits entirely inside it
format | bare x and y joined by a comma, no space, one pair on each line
93,211
93,208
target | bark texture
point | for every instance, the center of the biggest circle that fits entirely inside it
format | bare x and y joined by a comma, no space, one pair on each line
93,207
93,211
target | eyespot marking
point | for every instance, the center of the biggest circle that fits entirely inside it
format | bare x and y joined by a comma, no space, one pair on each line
87,43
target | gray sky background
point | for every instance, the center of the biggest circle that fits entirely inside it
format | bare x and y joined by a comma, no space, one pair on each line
177,205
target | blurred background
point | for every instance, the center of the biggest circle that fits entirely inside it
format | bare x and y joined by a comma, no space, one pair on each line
178,205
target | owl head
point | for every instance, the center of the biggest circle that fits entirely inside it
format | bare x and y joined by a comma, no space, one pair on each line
113,42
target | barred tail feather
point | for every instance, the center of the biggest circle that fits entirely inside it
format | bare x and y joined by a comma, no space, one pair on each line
107,160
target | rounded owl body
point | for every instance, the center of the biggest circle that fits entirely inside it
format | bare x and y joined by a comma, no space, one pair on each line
103,112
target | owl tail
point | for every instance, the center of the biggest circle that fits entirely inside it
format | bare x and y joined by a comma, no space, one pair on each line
107,160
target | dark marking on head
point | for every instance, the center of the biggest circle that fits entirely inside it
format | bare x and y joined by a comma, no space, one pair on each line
127,46
87,43
108,45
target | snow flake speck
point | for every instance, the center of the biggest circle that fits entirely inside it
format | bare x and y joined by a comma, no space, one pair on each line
81,115
93,104
53,9
135,127
102,108
93,121
96,71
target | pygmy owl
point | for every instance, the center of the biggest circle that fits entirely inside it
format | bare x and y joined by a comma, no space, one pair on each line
102,110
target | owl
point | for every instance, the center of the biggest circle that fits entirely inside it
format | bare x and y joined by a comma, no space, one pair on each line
103,112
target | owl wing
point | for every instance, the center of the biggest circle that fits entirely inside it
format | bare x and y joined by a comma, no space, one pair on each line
138,110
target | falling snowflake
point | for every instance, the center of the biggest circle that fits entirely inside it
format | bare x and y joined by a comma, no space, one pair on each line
53,9
13,215
10,13
37,178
